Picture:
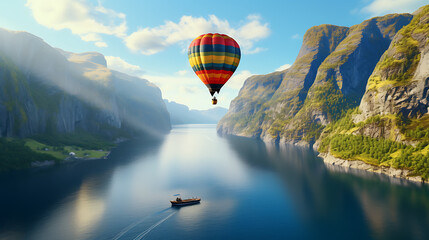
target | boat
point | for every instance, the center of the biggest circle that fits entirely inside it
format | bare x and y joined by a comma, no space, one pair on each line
183,202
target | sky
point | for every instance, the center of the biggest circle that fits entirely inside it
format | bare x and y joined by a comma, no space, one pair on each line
149,39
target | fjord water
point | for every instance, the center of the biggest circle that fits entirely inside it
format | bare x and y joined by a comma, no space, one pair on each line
249,190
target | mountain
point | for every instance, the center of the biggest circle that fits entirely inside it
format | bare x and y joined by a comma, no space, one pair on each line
400,81
68,101
265,100
328,77
180,114
390,126
47,90
357,93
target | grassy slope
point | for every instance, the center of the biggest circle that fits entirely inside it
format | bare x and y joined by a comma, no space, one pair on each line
20,153
340,140
60,145
62,152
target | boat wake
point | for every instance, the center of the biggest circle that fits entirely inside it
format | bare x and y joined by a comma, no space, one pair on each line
144,233
131,226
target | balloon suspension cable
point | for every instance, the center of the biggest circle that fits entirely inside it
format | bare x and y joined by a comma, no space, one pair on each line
214,101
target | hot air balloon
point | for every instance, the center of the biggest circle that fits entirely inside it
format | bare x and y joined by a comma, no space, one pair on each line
214,58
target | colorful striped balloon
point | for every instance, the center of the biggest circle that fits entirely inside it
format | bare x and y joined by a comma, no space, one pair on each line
214,58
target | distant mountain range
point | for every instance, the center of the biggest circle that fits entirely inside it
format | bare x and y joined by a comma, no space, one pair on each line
181,114
358,93
47,90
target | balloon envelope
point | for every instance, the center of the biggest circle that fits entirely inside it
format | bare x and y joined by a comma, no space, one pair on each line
214,58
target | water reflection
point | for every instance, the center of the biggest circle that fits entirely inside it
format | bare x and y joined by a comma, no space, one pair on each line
366,204
73,189
249,190
75,219
88,210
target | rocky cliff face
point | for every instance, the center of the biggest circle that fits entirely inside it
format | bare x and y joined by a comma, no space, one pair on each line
363,98
400,82
395,103
47,90
342,77
269,99
328,77
246,112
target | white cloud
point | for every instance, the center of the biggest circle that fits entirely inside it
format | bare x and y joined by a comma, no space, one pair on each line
80,17
146,41
284,67
255,50
189,90
380,7
101,44
118,64
153,40
182,72
90,37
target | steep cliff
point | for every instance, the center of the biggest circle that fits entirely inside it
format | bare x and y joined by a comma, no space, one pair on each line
342,77
400,82
390,127
266,101
328,77
246,111
395,102
50,91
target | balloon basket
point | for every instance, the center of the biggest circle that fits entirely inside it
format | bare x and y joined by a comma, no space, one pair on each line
214,101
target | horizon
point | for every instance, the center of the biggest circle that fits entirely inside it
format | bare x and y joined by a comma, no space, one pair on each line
150,40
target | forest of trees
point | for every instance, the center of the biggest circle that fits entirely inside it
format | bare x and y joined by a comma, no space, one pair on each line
382,152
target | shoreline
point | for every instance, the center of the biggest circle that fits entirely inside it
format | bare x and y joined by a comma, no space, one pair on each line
330,160
69,159
66,160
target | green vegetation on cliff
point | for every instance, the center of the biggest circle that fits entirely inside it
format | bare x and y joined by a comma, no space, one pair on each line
341,78
14,154
380,152
327,99
328,78
12,82
253,98
288,100
393,133
399,63
343,139
336,69
333,34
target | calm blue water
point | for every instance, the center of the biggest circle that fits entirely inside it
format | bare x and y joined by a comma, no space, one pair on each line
249,190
